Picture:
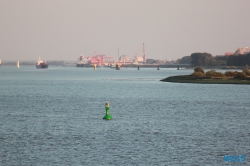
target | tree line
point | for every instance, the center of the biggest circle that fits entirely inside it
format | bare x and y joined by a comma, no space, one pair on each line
199,72
206,59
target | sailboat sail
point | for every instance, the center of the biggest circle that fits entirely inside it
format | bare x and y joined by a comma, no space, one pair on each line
17,64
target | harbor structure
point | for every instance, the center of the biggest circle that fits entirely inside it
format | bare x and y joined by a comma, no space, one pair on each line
96,58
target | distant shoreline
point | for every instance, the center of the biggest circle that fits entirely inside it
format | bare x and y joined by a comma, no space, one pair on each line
206,80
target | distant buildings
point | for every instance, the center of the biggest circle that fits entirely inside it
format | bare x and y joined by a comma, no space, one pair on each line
239,51
169,61
127,59
140,59
124,58
229,53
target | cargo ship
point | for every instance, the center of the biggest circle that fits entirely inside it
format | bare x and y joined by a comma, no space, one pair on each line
82,62
41,64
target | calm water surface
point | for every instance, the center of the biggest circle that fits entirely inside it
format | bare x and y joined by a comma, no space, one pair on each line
54,117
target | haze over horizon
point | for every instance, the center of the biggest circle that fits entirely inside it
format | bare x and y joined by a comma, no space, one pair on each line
64,30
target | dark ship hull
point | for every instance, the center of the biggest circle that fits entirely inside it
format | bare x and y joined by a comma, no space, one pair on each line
42,66
81,65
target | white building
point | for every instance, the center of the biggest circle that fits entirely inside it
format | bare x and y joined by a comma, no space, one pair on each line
124,58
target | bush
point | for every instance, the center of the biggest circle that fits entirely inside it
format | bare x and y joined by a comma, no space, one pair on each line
240,75
213,73
199,69
235,73
246,71
198,74
230,73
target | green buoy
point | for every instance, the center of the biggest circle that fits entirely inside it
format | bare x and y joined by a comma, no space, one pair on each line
107,116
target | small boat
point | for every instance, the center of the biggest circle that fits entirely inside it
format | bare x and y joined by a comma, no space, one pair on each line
113,65
18,64
41,64
117,67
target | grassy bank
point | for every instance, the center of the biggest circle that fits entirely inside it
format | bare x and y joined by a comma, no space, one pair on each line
206,80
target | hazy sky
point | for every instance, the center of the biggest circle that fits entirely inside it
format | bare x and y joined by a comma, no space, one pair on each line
66,29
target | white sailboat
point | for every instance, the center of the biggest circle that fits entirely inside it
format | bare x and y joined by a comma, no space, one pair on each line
18,64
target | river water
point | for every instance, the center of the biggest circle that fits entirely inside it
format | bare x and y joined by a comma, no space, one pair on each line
54,117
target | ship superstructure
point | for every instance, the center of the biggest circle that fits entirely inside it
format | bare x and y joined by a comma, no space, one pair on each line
40,64
82,62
